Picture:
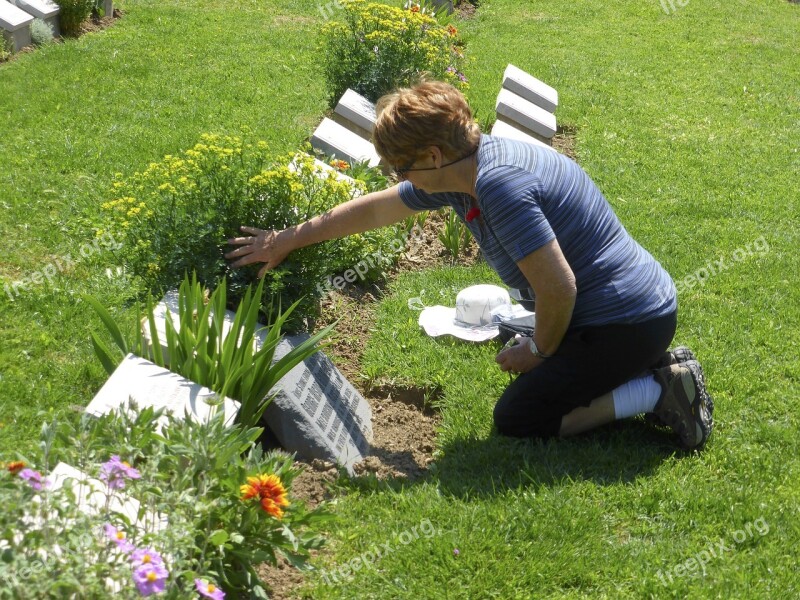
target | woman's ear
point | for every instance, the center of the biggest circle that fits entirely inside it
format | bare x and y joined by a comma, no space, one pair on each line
436,156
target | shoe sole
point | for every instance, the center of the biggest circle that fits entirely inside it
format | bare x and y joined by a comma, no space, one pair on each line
702,406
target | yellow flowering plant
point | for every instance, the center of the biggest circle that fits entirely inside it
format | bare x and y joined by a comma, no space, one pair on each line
374,48
175,217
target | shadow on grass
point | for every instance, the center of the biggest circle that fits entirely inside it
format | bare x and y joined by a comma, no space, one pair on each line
618,453
470,468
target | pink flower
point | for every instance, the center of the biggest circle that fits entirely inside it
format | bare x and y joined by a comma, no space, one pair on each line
209,590
118,537
146,556
34,478
114,472
150,578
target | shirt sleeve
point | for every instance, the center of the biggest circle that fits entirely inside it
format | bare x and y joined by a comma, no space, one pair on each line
416,199
511,200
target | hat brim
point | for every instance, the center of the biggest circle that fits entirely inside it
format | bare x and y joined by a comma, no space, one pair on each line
441,320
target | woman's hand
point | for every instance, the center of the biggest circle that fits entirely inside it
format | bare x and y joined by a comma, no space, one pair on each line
517,358
261,246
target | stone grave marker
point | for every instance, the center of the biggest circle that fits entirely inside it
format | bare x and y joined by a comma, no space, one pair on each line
533,90
16,25
356,113
504,130
525,115
338,141
315,412
41,9
323,171
151,386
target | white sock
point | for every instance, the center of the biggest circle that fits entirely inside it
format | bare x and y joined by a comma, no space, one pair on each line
635,397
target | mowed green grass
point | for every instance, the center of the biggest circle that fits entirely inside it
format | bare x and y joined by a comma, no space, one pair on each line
687,121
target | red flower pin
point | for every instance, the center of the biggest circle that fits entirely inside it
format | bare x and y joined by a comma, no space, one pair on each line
472,213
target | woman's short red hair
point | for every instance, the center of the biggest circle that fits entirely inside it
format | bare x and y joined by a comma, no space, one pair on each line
430,113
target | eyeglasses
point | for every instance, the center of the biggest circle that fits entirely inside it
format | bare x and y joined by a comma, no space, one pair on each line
402,172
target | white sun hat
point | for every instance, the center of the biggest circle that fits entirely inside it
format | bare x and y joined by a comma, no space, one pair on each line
472,318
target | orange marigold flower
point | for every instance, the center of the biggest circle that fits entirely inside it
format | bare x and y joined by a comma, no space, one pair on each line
270,492
415,8
452,30
15,467
340,164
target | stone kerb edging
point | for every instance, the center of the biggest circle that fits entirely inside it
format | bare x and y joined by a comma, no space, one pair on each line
41,9
16,25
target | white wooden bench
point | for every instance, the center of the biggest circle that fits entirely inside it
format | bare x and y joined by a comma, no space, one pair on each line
338,141
356,113
527,86
41,9
16,25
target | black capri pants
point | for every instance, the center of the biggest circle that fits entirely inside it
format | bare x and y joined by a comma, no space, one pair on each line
590,362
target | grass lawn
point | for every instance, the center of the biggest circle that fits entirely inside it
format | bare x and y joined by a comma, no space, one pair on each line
687,122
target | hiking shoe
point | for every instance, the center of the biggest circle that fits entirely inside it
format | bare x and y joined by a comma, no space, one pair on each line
679,355
684,403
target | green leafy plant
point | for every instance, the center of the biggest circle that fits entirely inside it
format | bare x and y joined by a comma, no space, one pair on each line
73,13
41,32
176,216
375,48
212,506
454,235
233,359
5,48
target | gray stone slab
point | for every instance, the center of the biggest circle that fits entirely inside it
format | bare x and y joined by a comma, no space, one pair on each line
336,140
316,412
356,113
525,115
532,89
504,130
41,9
16,25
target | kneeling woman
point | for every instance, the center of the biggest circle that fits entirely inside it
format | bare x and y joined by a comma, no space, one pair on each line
605,308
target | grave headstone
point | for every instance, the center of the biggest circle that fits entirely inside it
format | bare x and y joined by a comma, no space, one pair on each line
338,141
315,412
16,25
41,9
533,90
504,130
525,115
323,171
356,113
151,386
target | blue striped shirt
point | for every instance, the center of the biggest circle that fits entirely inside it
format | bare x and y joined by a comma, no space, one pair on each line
530,195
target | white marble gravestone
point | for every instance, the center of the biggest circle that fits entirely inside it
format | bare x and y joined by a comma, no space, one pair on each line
525,115
323,171
41,9
15,24
533,90
338,141
504,130
315,411
151,386
356,113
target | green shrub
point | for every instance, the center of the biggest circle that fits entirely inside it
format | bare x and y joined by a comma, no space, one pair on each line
41,32
176,216
375,48
195,509
73,13
5,48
